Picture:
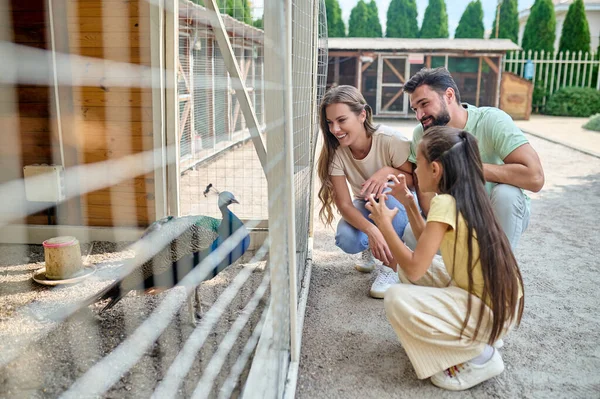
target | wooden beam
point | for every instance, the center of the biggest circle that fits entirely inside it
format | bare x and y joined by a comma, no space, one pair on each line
358,74
394,70
491,64
386,106
240,87
366,66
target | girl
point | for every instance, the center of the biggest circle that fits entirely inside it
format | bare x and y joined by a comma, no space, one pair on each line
357,152
449,317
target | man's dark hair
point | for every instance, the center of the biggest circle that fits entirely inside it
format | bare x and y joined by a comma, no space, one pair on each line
439,79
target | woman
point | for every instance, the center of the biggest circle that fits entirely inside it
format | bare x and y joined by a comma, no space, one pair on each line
451,318
358,153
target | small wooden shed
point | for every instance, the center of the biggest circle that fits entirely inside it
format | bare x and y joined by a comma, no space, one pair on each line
381,66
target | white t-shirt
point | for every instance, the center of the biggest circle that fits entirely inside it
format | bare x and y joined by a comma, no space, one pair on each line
389,148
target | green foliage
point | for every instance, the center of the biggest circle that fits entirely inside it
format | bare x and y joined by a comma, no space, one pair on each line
540,28
508,28
471,22
238,9
574,101
258,23
335,24
593,123
358,26
402,19
575,35
373,20
435,21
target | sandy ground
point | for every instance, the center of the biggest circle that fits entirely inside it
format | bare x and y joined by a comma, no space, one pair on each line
349,350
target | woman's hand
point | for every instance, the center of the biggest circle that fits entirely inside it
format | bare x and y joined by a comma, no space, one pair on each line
375,184
399,189
379,246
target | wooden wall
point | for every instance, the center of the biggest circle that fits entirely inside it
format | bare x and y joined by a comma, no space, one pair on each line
33,103
102,118
110,119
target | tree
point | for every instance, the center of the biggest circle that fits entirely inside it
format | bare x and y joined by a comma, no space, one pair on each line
435,21
575,35
509,22
258,23
238,9
402,19
540,28
335,24
373,20
358,26
471,22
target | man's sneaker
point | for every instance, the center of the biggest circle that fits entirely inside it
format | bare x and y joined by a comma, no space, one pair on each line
466,375
366,263
386,277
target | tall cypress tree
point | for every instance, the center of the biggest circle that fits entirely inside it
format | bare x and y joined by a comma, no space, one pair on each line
540,30
373,20
402,19
575,35
435,21
335,24
509,22
471,22
359,20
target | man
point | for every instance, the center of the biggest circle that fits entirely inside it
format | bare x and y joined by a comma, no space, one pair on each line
510,163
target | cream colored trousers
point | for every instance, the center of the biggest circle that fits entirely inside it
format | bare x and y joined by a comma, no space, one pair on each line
428,317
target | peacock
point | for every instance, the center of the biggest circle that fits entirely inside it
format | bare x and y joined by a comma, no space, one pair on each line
189,239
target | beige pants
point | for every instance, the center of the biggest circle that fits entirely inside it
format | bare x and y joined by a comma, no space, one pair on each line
428,317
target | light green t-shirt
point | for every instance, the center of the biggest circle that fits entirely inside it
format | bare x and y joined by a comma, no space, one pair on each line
495,131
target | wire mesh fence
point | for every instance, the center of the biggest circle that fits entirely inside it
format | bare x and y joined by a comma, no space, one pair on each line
90,93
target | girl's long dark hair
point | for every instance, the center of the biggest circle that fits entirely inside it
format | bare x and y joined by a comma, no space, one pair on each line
462,178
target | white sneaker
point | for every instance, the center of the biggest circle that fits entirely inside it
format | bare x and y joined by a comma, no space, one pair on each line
466,375
366,263
386,277
498,344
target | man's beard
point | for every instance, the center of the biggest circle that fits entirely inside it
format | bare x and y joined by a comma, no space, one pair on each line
440,120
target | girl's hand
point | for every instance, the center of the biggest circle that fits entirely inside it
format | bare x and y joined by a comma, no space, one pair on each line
380,213
375,184
399,189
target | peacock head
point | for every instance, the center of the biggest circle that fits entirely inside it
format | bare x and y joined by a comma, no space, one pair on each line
226,198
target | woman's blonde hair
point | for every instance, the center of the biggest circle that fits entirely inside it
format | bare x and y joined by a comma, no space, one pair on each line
350,96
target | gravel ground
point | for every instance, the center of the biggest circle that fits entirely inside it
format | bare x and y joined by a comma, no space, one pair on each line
349,350
40,358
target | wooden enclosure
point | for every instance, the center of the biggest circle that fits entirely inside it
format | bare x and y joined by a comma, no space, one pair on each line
515,96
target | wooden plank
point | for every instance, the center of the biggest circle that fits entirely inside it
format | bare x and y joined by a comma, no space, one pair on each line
26,94
394,70
142,184
134,143
34,110
29,18
491,64
133,55
109,39
107,24
105,197
478,91
111,9
387,105
120,114
122,222
112,97
107,211
30,34
104,154
113,128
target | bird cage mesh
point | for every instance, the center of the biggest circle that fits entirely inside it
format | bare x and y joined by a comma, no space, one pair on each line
139,105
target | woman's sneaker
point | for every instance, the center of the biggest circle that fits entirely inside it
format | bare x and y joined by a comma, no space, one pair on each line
366,263
386,277
466,375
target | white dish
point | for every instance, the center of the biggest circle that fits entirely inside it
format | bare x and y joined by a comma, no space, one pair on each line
40,276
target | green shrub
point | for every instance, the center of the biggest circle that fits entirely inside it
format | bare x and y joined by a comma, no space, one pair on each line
574,101
593,123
